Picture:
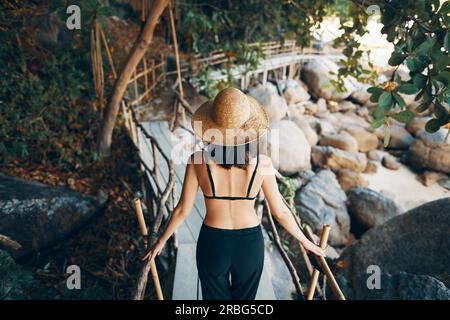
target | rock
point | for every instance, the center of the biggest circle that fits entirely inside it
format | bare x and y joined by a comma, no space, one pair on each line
429,177
349,119
416,125
360,95
308,131
366,140
345,106
269,98
415,242
371,208
400,286
302,178
321,105
296,110
371,167
295,92
290,151
445,183
400,137
322,201
336,159
430,151
15,282
325,127
342,140
390,162
349,179
37,215
316,75
310,107
373,155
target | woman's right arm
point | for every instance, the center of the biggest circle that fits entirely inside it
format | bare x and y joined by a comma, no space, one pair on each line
181,211
280,211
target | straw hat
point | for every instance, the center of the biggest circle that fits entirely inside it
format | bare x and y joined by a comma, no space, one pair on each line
232,118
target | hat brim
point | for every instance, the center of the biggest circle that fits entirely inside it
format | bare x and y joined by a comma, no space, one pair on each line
209,131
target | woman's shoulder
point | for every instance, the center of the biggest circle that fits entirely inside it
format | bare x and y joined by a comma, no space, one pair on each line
266,165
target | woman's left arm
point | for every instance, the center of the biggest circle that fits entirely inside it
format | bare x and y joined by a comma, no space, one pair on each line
181,211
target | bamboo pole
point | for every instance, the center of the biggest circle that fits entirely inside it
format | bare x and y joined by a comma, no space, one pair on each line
144,233
177,57
146,74
315,275
326,269
108,53
283,253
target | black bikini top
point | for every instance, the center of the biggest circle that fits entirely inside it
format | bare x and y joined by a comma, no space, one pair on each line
247,197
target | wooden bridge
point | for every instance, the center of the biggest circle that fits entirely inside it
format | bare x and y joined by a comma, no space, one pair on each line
158,148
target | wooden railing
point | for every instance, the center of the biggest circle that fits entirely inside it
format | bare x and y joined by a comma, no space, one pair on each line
145,78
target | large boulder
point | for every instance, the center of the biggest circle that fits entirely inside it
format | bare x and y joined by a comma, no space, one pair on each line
322,201
350,179
400,138
366,140
269,98
416,125
342,140
336,159
15,283
430,151
295,92
416,242
308,131
37,215
360,95
289,149
316,75
400,286
371,208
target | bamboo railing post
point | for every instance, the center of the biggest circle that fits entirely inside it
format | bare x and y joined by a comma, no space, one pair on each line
136,92
315,276
177,57
326,269
284,255
144,233
145,74
108,53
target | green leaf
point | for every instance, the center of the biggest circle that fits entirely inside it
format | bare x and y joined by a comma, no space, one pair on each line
107,11
387,136
447,41
397,58
419,80
439,111
433,125
375,90
401,102
403,116
377,122
385,100
89,5
408,88
423,106
444,77
425,47
55,5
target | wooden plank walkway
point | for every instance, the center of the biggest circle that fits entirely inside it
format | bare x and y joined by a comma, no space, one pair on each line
186,281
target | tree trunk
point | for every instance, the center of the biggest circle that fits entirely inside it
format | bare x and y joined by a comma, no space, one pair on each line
137,52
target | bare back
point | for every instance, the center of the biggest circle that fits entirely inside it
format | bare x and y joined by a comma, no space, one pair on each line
234,182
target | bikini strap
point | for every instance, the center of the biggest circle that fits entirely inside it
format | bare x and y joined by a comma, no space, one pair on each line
211,181
253,176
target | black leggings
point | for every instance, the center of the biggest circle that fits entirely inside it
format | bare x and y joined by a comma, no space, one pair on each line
225,252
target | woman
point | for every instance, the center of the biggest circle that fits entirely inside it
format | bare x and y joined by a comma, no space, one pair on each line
230,174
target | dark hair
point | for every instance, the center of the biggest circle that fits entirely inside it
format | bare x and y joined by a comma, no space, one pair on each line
233,156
